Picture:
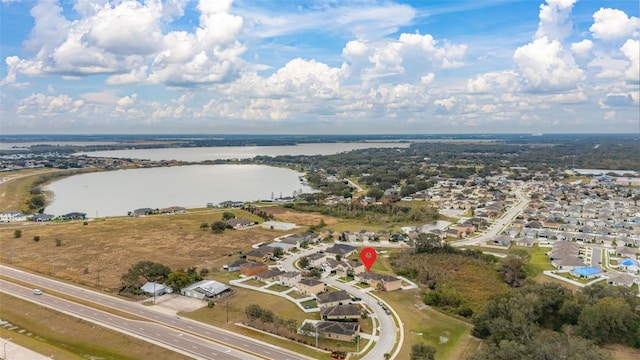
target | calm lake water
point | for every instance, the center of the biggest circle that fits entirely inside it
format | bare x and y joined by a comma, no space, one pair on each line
114,193
240,152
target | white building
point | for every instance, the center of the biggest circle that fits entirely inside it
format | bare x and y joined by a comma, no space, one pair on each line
278,225
12,216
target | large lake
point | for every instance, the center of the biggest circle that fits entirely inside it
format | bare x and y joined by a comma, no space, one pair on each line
114,193
240,152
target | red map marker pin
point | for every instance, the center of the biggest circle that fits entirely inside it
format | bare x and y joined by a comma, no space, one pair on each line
368,257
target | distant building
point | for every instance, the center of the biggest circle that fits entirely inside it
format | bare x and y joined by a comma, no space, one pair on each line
12,216
278,225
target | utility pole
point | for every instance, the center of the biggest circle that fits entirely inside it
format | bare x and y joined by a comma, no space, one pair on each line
227,311
316,335
154,293
98,280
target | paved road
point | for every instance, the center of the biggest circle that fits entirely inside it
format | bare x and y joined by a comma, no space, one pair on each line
500,223
185,343
223,337
387,327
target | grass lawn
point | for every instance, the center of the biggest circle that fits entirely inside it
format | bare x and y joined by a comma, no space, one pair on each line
217,316
539,260
296,295
311,303
64,337
278,288
451,337
571,277
254,283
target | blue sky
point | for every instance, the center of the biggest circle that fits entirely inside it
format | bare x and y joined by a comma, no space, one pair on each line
326,66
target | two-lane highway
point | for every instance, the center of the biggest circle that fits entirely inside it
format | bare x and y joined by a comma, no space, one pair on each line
225,338
172,339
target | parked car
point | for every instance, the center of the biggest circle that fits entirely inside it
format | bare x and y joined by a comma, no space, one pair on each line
37,292
356,299
380,303
388,312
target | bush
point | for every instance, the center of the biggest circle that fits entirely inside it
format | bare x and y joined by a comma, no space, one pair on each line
36,238
58,242
17,234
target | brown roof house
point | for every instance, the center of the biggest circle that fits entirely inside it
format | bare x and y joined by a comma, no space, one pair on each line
377,281
261,254
251,268
310,286
344,331
341,312
335,298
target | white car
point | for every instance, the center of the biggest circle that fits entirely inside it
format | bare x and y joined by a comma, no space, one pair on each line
37,292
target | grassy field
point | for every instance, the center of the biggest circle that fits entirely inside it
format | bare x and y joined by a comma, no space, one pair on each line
174,240
64,337
14,190
423,324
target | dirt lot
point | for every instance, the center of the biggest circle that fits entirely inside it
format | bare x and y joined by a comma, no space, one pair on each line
105,248
305,219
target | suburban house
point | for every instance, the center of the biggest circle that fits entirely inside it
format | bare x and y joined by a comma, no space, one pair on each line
310,286
270,275
316,259
299,239
377,281
155,289
143,212
73,216
251,268
502,240
235,266
586,272
12,216
341,312
205,289
344,331
231,204
239,223
173,210
342,250
41,217
261,254
290,278
622,280
332,298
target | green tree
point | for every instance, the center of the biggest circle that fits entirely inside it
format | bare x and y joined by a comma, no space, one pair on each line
228,215
204,226
143,271
610,320
375,193
218,226
17,233
511,270
253,311
422,351
427,243
178,279
303,262
36,238
278,252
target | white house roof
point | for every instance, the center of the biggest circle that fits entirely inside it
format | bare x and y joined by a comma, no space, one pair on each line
150,287
210,287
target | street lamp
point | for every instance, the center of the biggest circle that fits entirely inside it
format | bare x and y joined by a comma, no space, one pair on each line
4,356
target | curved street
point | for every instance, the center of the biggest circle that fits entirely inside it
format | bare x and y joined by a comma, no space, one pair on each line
386,325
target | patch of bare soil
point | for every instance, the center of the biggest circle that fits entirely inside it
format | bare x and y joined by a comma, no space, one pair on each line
300,218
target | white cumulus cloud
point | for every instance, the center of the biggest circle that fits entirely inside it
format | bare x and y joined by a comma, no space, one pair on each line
612,24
